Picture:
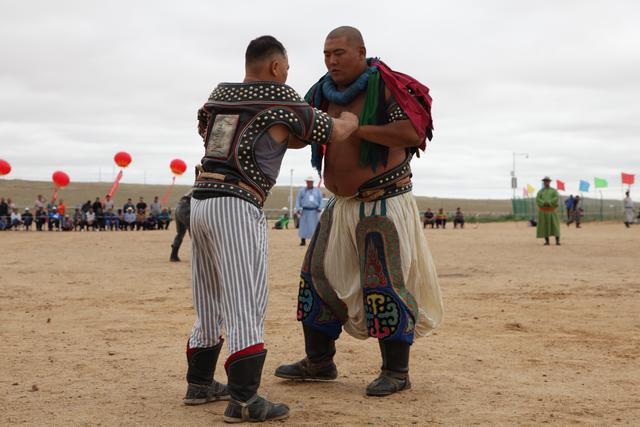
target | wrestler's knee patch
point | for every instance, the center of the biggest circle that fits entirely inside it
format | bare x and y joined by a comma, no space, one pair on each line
390,309
314,312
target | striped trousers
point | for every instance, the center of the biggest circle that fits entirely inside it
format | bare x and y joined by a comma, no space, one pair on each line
229,265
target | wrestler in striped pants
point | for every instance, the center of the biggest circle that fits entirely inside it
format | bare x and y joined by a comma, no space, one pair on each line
229,262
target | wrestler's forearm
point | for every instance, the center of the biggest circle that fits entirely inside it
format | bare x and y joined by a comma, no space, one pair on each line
394,135
343,127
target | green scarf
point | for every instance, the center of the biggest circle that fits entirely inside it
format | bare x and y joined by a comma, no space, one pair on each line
369,151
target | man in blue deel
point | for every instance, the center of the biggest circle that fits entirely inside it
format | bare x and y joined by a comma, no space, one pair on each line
308,205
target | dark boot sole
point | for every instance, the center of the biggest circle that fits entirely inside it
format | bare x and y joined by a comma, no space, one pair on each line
232,420
311,379
386,393
202,401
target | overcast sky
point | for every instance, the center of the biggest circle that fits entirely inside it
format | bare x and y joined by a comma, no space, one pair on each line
559,80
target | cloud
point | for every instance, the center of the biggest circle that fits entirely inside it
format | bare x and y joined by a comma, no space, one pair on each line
82,79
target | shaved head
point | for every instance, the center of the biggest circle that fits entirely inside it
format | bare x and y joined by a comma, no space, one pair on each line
353,35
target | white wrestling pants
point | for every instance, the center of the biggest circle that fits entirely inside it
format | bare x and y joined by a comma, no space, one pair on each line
229,263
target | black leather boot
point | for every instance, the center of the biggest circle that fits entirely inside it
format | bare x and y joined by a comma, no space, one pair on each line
244,375
202,388
174,254
394,375
318,365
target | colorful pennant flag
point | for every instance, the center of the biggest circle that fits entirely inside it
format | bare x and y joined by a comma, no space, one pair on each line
584,186
531,189
560,185
628,178
600,182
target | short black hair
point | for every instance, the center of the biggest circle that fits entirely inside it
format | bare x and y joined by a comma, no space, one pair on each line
262,48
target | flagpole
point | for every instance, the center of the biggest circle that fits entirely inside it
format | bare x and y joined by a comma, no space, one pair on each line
291,196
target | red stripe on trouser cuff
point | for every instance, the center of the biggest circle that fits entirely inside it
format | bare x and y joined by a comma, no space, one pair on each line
256,348
191,350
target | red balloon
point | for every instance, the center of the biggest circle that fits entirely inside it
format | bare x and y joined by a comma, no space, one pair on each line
178,166
60,179
5,167
122,159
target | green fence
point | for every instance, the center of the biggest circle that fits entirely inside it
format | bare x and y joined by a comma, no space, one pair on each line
594,209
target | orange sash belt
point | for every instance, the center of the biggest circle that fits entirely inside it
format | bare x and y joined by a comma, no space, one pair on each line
547,209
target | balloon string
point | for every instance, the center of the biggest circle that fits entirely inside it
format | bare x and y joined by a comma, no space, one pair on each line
114,187
166,196
54,196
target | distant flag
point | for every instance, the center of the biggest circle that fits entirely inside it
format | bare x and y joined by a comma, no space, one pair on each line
584,186
525,193
628,178
560,185
531,189
600,182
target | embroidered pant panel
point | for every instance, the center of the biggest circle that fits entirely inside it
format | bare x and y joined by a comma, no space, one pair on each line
229,265
352,262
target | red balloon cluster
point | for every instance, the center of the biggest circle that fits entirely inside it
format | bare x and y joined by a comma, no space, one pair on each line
122,159
60,179
178,166
5,167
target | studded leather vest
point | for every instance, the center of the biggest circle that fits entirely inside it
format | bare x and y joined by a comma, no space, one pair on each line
234,120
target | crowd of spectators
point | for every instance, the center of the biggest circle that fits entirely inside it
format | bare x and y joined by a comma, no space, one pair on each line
439,220
99,215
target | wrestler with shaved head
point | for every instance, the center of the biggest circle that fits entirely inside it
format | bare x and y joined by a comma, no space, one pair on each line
368,269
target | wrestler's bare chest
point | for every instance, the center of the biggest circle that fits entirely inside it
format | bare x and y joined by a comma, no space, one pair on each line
343,174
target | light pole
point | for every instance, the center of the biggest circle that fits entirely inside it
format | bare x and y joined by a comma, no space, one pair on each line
514,178
291,196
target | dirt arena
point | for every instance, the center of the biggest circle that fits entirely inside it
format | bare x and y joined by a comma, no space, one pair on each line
93,328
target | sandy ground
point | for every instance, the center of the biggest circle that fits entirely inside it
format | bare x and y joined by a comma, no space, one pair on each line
93,328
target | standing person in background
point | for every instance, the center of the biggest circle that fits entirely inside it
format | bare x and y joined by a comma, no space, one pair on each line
62,209
108,203
569,205
576,212
155,209
628,210
548,222
39,203
183,212
308,204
